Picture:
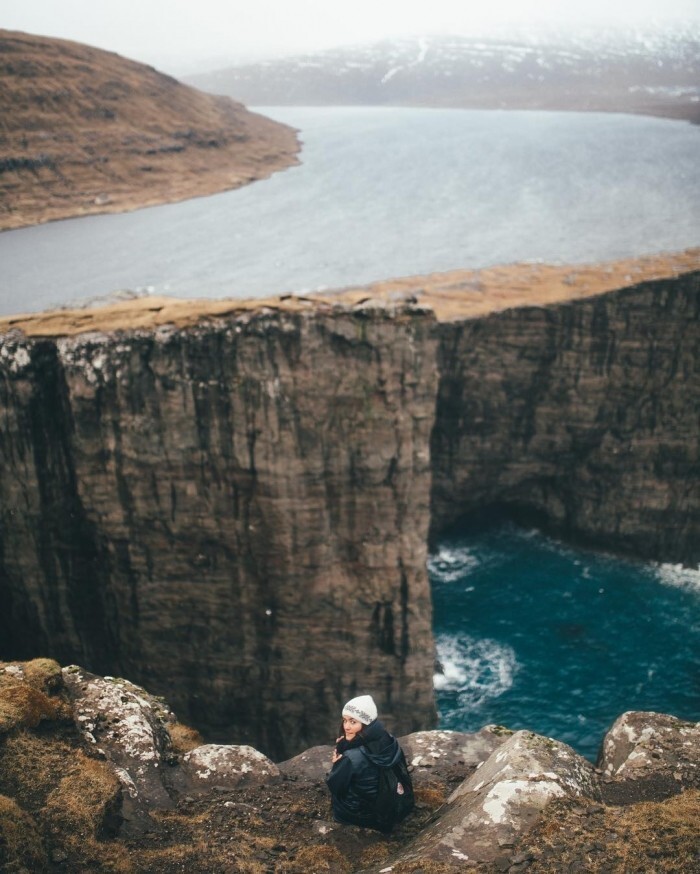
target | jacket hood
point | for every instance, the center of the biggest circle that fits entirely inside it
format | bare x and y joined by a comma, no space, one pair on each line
380,747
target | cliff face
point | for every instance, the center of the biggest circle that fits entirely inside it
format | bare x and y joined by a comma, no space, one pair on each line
237,513
581,417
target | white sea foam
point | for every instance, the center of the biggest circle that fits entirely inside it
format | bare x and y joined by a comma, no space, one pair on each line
678,576
476,669
450,565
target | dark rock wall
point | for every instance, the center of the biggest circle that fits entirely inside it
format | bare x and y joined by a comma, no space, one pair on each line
234,515
237,515
582,417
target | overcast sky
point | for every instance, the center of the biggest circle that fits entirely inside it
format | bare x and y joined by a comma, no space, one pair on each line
179,34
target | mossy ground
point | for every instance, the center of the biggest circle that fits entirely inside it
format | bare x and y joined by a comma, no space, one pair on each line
651,837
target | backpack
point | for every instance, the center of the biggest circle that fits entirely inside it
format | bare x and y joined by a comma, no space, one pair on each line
394,795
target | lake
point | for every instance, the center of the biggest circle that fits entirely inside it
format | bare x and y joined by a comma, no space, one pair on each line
384,193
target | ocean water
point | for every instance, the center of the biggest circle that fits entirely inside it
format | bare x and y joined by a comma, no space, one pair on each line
537,635
384,193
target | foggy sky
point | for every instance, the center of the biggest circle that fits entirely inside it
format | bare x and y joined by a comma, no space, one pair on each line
179,34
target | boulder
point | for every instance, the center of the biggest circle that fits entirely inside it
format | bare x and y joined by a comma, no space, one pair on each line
223,766
502,800
649,756
311,765
128,727
443,754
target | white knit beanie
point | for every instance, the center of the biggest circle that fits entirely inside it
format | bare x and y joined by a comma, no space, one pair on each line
362,708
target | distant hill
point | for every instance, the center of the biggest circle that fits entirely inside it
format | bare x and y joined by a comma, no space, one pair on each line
85,131
653,73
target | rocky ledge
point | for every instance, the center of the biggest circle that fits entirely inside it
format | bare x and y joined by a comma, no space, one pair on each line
96,774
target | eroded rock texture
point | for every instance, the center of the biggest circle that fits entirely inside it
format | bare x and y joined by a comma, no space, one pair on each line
582,417
235,515
503,798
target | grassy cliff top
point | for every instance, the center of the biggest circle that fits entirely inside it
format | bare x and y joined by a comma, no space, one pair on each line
455,295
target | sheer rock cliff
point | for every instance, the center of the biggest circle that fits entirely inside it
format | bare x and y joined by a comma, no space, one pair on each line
582,418
234,507
235,513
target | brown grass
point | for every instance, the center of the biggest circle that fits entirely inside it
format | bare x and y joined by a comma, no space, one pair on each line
184,738
459,294
426,866
81,811
21,706
665,834
315,859
195,856
35,696
660,837
431,797
85,798
44,675
72,797
31,766
200,843
20,842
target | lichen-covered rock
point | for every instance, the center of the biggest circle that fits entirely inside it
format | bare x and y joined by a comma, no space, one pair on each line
227,766
649,755
128,726
441,753
502,800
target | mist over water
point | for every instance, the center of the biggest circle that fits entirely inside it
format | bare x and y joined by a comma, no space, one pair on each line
385,193
533,634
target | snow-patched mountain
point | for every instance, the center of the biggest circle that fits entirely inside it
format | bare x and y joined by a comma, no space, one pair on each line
635,71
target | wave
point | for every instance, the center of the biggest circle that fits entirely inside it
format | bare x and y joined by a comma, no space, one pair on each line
474,669
449,565
678,576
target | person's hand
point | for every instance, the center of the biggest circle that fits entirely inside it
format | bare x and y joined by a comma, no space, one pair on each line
336,757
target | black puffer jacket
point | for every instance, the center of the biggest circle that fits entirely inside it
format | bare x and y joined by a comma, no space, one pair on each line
354,778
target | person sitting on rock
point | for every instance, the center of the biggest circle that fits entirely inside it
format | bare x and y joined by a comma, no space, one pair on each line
363,752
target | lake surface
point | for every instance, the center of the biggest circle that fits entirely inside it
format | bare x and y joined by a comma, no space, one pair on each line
385,193
533,634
